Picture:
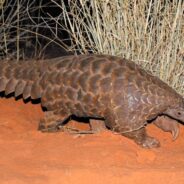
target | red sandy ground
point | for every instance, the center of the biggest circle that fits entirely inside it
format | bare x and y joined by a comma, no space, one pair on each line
29,156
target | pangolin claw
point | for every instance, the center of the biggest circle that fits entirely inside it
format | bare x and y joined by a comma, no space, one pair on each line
175,133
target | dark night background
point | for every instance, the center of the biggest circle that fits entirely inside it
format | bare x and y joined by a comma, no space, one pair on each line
40,22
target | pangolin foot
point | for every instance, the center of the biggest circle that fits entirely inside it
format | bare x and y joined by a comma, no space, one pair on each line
48,128
149,142
141,138
168,125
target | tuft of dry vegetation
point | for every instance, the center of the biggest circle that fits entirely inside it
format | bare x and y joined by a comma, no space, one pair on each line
149,32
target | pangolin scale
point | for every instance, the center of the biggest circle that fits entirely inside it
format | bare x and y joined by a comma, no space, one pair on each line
96,86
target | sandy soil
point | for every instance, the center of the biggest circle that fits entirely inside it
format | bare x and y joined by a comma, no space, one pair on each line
29,156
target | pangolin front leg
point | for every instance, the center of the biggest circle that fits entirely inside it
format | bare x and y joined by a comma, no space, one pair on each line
141,138
168,125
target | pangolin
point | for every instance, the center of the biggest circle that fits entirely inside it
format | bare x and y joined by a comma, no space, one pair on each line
95,86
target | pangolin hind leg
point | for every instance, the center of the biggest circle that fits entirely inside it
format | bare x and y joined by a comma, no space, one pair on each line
141,138
53,121
96,126
168,125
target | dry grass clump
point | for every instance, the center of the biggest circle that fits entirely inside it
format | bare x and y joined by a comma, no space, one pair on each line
150,33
